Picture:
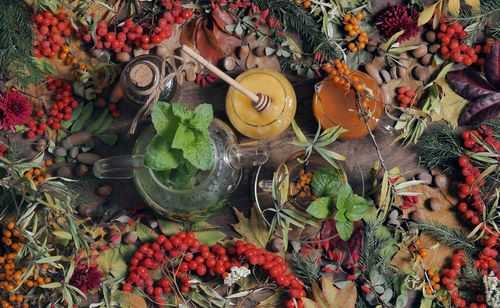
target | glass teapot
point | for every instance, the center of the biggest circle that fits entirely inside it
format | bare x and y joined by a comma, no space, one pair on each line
212,189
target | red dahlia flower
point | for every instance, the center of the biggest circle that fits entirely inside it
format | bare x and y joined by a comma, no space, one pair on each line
396,18
15,109
87,278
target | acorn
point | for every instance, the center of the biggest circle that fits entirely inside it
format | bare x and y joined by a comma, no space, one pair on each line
104,191
243,51
430,36
260,51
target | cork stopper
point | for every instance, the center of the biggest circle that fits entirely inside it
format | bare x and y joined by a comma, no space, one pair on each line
143,75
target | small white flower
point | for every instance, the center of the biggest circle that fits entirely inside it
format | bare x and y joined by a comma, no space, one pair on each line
491,284
236,274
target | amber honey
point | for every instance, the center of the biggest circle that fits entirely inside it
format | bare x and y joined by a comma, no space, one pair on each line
332,106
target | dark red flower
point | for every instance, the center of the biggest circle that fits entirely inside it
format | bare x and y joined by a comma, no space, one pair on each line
396,18
87,278
15,109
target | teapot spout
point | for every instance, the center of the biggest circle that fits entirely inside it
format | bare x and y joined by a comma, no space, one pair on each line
246,155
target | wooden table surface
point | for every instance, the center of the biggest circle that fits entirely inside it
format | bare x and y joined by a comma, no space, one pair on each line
360,153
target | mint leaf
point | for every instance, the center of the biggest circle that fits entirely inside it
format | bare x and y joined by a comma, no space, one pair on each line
344,229
202,117
340,215
183,176
184,137
201,152
357,208
159,156
326,182
164,120
182,112
343,196
320,208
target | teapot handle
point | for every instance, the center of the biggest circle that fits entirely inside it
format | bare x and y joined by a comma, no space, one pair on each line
118,167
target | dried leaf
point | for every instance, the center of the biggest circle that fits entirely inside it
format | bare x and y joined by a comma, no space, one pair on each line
129,300
227,42
331,296
474,5
222,18
188,33
454,7
210,237
492,66
426,14
207,44
111,263
252,229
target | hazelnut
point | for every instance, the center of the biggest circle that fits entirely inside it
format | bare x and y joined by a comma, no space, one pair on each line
420,51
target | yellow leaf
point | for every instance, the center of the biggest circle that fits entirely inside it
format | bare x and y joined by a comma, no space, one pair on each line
451,104
252,229
332,297
454,7
426,14
474,5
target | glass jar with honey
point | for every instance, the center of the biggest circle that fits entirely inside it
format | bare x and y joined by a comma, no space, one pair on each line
333,105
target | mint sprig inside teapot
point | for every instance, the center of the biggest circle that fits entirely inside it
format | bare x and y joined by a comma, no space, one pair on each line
182,141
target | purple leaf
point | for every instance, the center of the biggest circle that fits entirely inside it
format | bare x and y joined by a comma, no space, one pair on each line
492,66
469,84
483,108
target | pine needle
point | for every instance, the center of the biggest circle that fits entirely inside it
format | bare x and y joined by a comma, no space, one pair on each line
449,236
439,148
16,48
306,268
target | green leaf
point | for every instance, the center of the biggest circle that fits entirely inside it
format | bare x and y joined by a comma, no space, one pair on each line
164,120
44,66
343,196
326,182
201,152
357,207
320,208
62,234
145,233
51,285
344,229
202,117
168,227
109,139
112,263
159,156
210,237
84,117
184,137
97,123
182,112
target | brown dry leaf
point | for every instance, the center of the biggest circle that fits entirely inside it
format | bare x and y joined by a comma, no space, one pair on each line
227,42
252,229
188,32
223,18
207,44
130,300
330,296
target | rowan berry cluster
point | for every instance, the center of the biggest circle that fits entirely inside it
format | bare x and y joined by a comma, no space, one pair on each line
132,34
472,205
406,97
450,36
357,39
449,280
50,33
60,109
181,255
484,49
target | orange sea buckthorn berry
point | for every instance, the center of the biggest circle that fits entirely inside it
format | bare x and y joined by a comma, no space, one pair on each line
7,233
347,17
48,163
359,15
10,288
11,225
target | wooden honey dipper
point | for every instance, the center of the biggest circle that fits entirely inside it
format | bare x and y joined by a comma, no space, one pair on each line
260,101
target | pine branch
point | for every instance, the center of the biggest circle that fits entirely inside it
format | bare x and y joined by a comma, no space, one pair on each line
306,268
475,22
16,61
449,236
439,148
293,16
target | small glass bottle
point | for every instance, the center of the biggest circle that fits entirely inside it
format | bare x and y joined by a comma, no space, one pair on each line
141,77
